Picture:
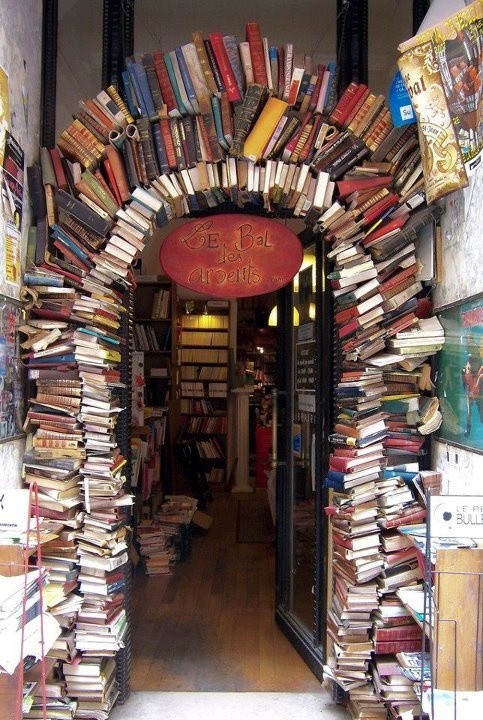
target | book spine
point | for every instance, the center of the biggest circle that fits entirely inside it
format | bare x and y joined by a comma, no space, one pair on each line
186,78
204,61
229,80
254,38
344,105
165,86
164,124
160,148
146,139
231,47
251,105
79,211
220,84
117,166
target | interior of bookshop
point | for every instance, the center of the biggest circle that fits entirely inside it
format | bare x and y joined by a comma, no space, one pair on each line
241,359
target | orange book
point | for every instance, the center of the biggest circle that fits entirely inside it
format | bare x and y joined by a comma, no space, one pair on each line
116,163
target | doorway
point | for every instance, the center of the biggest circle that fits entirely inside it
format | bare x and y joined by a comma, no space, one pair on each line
238,614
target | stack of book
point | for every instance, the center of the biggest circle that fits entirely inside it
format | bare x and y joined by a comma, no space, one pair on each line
155,545
393,688
93,682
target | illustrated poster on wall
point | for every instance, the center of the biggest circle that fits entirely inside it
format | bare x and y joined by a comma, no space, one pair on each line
4,111
460,375
11,370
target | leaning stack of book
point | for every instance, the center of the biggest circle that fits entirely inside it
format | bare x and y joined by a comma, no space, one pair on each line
93,682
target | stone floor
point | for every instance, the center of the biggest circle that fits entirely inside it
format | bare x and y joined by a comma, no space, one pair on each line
229,706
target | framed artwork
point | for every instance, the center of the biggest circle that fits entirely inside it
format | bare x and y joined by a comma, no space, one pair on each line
459,379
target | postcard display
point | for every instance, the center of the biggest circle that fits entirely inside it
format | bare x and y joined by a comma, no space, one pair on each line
157,150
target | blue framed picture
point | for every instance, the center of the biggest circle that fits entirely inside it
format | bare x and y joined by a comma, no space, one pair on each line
459,378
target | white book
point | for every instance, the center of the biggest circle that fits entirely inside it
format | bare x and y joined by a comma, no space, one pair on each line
146,198
196,73
246,61
268,69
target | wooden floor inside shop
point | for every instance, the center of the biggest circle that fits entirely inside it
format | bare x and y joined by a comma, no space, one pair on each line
210,625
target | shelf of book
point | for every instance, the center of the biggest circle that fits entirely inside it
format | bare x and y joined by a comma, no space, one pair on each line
203,340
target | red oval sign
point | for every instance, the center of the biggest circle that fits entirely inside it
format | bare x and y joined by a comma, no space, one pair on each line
230,256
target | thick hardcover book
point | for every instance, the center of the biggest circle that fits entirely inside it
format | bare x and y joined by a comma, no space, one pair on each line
254,38
187,81
140,83
166,88
345,103
164,125
220,83
146,138
153,82
117,166
82,213
160,148
253,103
263,129
204,61
226,70
36,191
231,47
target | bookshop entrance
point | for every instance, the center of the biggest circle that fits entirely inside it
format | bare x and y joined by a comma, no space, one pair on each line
242,610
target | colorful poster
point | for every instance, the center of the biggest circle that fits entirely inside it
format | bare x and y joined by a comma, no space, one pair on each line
460,375
12,255
13,180
442,69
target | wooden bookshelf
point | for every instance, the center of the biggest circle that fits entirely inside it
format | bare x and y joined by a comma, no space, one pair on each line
203,355
153,333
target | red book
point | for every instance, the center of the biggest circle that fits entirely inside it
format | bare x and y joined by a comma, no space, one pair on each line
387,228
395,646
355,101
71,256
377,210
292,143
398,278
164,83
168,143
59,171
346,100
309,144
254,38
346,187
224,65
112,181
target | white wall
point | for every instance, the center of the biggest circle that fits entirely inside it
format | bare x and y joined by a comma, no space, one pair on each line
20,52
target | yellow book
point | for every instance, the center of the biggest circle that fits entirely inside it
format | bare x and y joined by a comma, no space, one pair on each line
263,129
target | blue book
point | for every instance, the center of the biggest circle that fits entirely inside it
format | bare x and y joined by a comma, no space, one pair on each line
30,279
160,148
59,234
143,111
101,336
129,94
57,359
147,99
215,104
187,82
331,93
174,82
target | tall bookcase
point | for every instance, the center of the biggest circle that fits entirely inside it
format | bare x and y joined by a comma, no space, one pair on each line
203,381
152,335
153,319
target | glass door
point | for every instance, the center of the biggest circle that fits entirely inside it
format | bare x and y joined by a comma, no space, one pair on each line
300,424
